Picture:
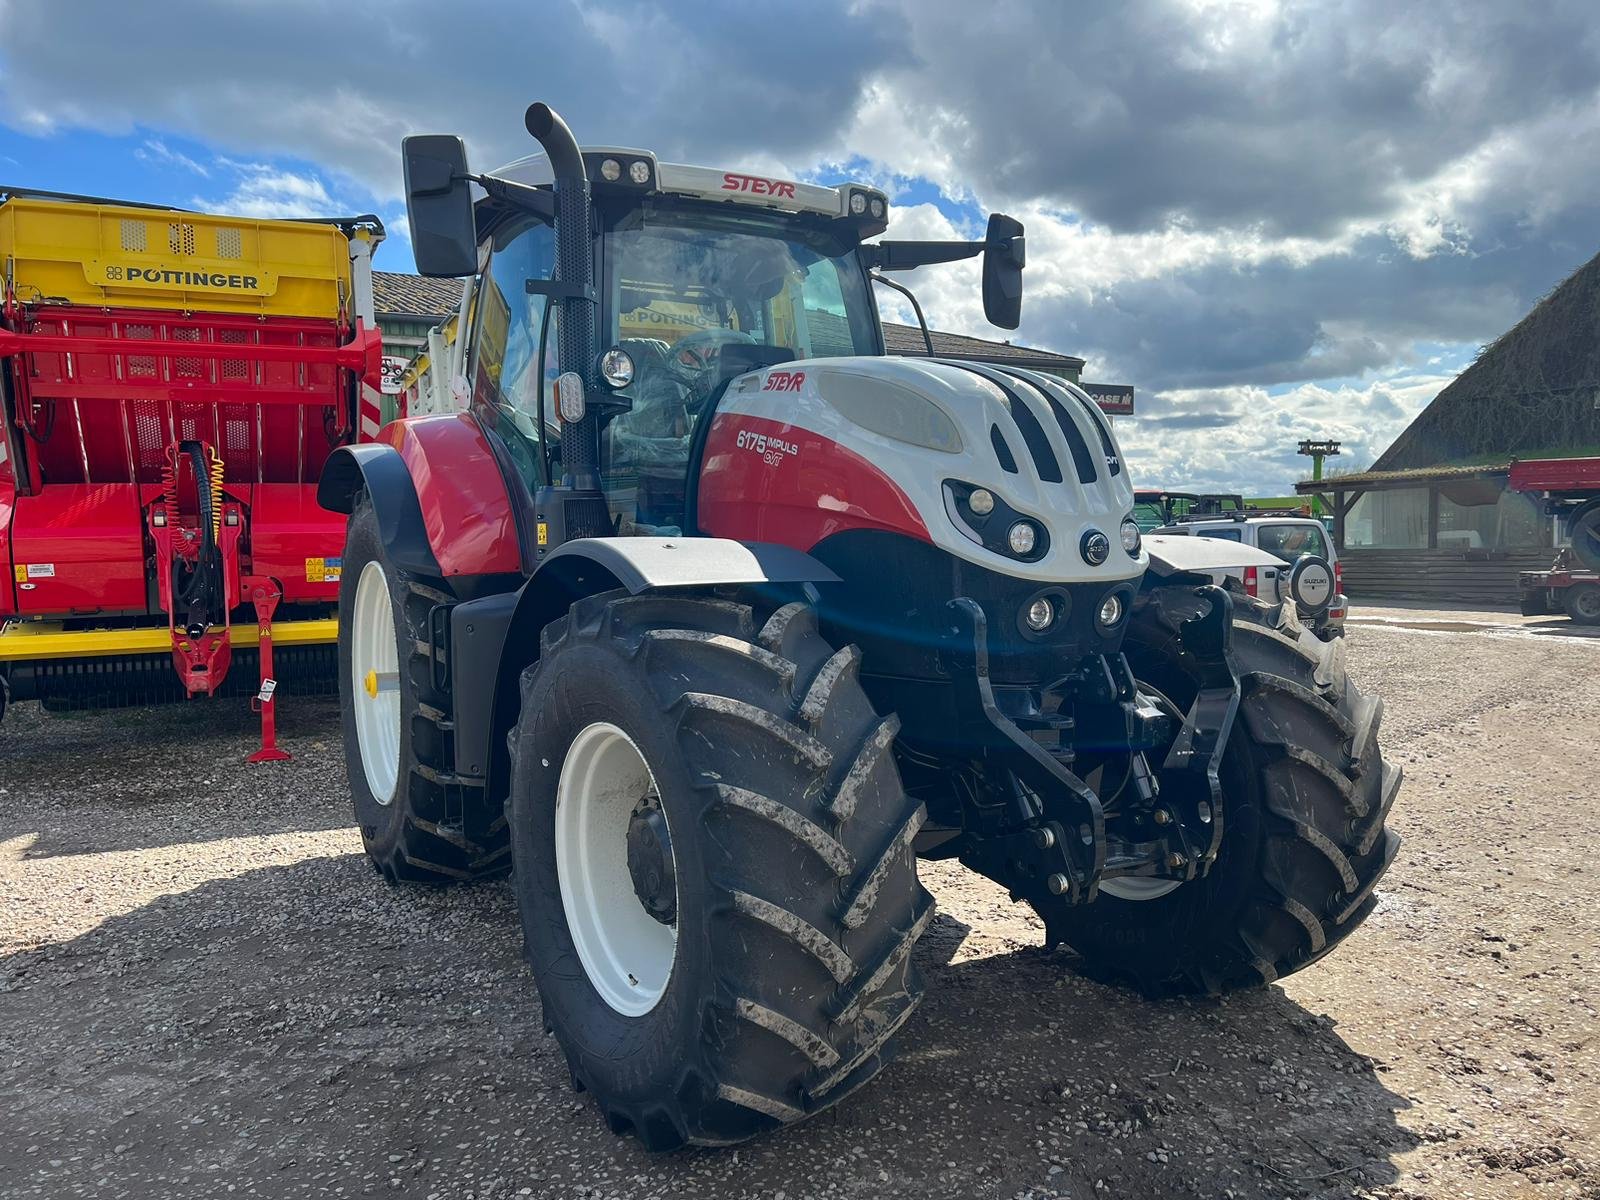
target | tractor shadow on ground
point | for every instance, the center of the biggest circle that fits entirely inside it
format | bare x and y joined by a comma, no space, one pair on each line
304,1025
140,778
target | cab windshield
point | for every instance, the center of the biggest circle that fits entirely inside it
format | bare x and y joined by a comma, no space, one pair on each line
696,298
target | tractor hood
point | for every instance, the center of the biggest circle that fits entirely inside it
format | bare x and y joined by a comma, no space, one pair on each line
904,444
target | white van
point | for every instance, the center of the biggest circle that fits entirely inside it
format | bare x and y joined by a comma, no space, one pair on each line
1286,537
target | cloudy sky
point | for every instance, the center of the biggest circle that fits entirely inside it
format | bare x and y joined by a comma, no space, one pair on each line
1276,220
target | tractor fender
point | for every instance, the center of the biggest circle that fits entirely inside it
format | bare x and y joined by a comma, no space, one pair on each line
457,488
496,638
1176,554
382,473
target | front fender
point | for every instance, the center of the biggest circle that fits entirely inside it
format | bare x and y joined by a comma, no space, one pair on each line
493,640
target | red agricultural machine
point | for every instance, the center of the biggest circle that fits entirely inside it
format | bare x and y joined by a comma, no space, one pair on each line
1570,491
172,384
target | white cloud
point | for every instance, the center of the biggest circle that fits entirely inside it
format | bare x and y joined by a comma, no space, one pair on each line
158,153
261,190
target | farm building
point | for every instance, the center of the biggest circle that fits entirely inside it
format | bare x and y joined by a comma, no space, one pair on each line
1433,520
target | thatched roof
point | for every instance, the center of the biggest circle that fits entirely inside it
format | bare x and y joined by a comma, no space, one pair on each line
1534,391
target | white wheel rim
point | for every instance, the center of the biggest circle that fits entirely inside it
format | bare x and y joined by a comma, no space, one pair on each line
1134,887
627,953
375,671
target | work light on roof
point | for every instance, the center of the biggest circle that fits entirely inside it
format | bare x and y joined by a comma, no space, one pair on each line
639,171
610,170
858,203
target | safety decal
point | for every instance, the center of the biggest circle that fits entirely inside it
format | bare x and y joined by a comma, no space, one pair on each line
324,570
39,571
544,533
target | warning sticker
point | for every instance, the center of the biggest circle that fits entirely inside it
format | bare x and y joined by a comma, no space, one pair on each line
41,571
324,570
20,573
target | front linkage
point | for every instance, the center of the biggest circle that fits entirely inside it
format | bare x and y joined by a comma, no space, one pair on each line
1034,825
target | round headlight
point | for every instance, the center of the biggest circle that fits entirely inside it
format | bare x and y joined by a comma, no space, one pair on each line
616,368
1131,537
1021,538
1110,611
858,203
1095,547
611,170
639,171
981,502
1040,614
877,207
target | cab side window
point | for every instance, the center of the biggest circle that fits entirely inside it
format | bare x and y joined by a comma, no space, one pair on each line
508,381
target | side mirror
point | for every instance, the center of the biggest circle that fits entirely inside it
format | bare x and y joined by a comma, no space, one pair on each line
444,237
1004,256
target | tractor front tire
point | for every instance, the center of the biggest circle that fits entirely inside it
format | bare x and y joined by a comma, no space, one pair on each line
395,721
1305,800
713,865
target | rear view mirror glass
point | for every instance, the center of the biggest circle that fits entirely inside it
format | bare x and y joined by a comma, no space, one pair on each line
439,205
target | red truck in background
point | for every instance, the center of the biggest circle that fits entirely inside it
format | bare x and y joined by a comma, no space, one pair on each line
1570,490
171,384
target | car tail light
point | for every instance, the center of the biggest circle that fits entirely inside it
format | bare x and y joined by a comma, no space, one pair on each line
1252,582
1338,579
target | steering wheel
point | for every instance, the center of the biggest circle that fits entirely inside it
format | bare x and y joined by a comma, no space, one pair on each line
692,360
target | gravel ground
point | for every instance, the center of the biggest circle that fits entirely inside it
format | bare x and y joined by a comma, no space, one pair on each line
204,990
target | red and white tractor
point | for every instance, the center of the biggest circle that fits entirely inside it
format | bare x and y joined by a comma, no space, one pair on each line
708,619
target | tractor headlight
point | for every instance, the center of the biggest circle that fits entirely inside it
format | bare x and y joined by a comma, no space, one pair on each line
616,367
1132,539
1022,537
1040,614
1111,609
639,171
858,203
981,502
611,170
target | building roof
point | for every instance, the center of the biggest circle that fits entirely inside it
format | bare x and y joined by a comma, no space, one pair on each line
1533,392
416,297
907,339
1416,477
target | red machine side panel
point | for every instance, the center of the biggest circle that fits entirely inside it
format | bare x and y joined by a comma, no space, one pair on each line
1556,475
296,541
794,499
464,502
79,548
8,497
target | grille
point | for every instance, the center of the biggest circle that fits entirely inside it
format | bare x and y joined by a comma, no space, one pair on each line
230,243
1022,414
180,237
133,237
1002,450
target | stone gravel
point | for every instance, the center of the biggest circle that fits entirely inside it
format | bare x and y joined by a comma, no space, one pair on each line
205,991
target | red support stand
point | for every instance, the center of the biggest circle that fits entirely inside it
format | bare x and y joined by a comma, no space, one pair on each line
264,594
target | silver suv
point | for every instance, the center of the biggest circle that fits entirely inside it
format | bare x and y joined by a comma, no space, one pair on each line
1288,538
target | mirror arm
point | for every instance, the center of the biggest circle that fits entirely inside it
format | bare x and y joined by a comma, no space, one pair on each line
539,201
905,256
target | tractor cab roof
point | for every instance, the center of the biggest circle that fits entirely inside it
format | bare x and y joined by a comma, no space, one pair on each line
616,171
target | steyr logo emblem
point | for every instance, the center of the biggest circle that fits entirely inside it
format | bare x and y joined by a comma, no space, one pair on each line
784,381
757,186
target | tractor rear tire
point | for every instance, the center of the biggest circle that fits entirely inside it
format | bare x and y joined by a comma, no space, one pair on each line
1306,797
794,900
1582,602
399,780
